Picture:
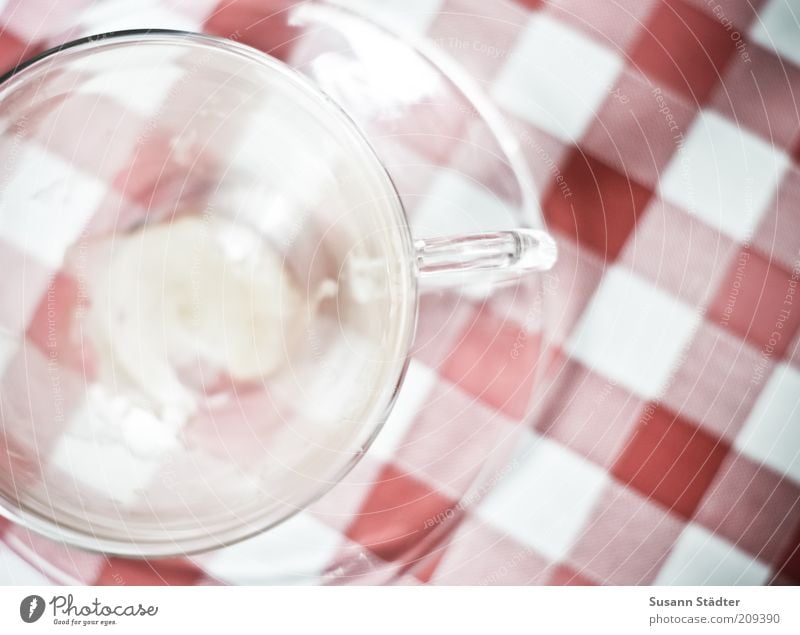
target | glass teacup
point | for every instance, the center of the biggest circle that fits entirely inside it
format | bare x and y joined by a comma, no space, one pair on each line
218,290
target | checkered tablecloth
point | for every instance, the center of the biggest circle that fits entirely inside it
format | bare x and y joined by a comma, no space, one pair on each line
664,136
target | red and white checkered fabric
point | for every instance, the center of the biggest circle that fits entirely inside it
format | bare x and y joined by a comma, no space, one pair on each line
665,138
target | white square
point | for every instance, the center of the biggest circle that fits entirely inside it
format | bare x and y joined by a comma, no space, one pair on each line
141,87
102,467
455,205
701,558
633,333
294,552
771,433
113,448
546,498
416,387
724,175
777,28
45,204
556,78
14,571
121,15
409,15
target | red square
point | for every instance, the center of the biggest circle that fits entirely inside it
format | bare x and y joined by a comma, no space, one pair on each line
602,207
683,48
532,5
789,564
14,50
566,576
752,302
54,327
398,515
168,572
741,14
496,360
759,92
753,507
262,24
670,460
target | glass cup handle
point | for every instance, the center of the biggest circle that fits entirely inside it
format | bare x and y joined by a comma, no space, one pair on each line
504,255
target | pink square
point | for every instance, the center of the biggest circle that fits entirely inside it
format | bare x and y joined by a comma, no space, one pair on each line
478,555
479,36
453,437
614,24
587,413
354,564
22,287
167,572
262,24
758,92
638,128
338,507
679,253
155,177
719,381
442,318
248,420
752,507
626,540
37,401
92,132
71,566
684,49
777,234
496,360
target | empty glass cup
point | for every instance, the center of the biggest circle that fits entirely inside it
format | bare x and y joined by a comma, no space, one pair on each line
211,286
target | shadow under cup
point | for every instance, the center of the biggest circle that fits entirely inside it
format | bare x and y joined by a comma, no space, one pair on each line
213,294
